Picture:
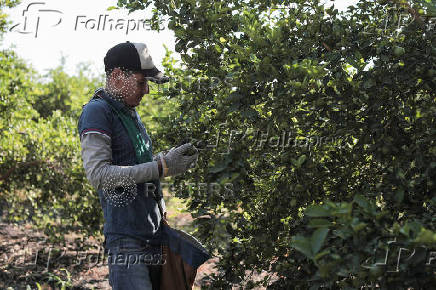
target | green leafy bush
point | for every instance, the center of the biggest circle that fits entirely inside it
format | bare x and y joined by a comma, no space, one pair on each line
42,176
363,80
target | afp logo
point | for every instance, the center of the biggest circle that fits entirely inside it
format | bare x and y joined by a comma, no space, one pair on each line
398,257
35,15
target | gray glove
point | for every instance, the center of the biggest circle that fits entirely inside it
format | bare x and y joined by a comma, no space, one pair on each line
180,159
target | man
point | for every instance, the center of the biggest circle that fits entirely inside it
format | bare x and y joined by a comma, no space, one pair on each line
114,146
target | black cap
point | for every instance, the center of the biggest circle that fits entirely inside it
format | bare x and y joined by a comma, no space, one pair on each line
134,57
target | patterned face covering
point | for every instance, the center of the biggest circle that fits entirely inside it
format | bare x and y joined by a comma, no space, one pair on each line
120,99
115,97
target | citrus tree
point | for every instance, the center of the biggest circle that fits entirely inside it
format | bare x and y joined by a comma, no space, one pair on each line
325,122
41,174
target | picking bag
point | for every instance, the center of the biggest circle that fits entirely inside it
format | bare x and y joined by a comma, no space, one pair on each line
182,254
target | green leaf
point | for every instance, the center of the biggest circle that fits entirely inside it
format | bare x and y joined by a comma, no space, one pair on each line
302,245
301,160
368,84
361,201
399,196
319,223
218,168
358,227
321,254
344,208
317,239
317,211
426,237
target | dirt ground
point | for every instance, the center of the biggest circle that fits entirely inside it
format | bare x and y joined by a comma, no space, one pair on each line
28,261
26,258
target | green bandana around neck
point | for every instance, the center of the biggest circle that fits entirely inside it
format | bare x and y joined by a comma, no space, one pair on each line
142,150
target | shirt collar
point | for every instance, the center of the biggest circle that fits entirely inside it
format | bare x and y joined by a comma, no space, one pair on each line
119,104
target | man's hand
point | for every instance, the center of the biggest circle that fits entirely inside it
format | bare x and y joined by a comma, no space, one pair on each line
180,159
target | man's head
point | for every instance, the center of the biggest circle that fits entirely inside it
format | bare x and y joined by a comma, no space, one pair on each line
128,67
127,85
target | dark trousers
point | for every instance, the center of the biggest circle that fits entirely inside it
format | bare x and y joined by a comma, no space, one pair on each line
134,265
